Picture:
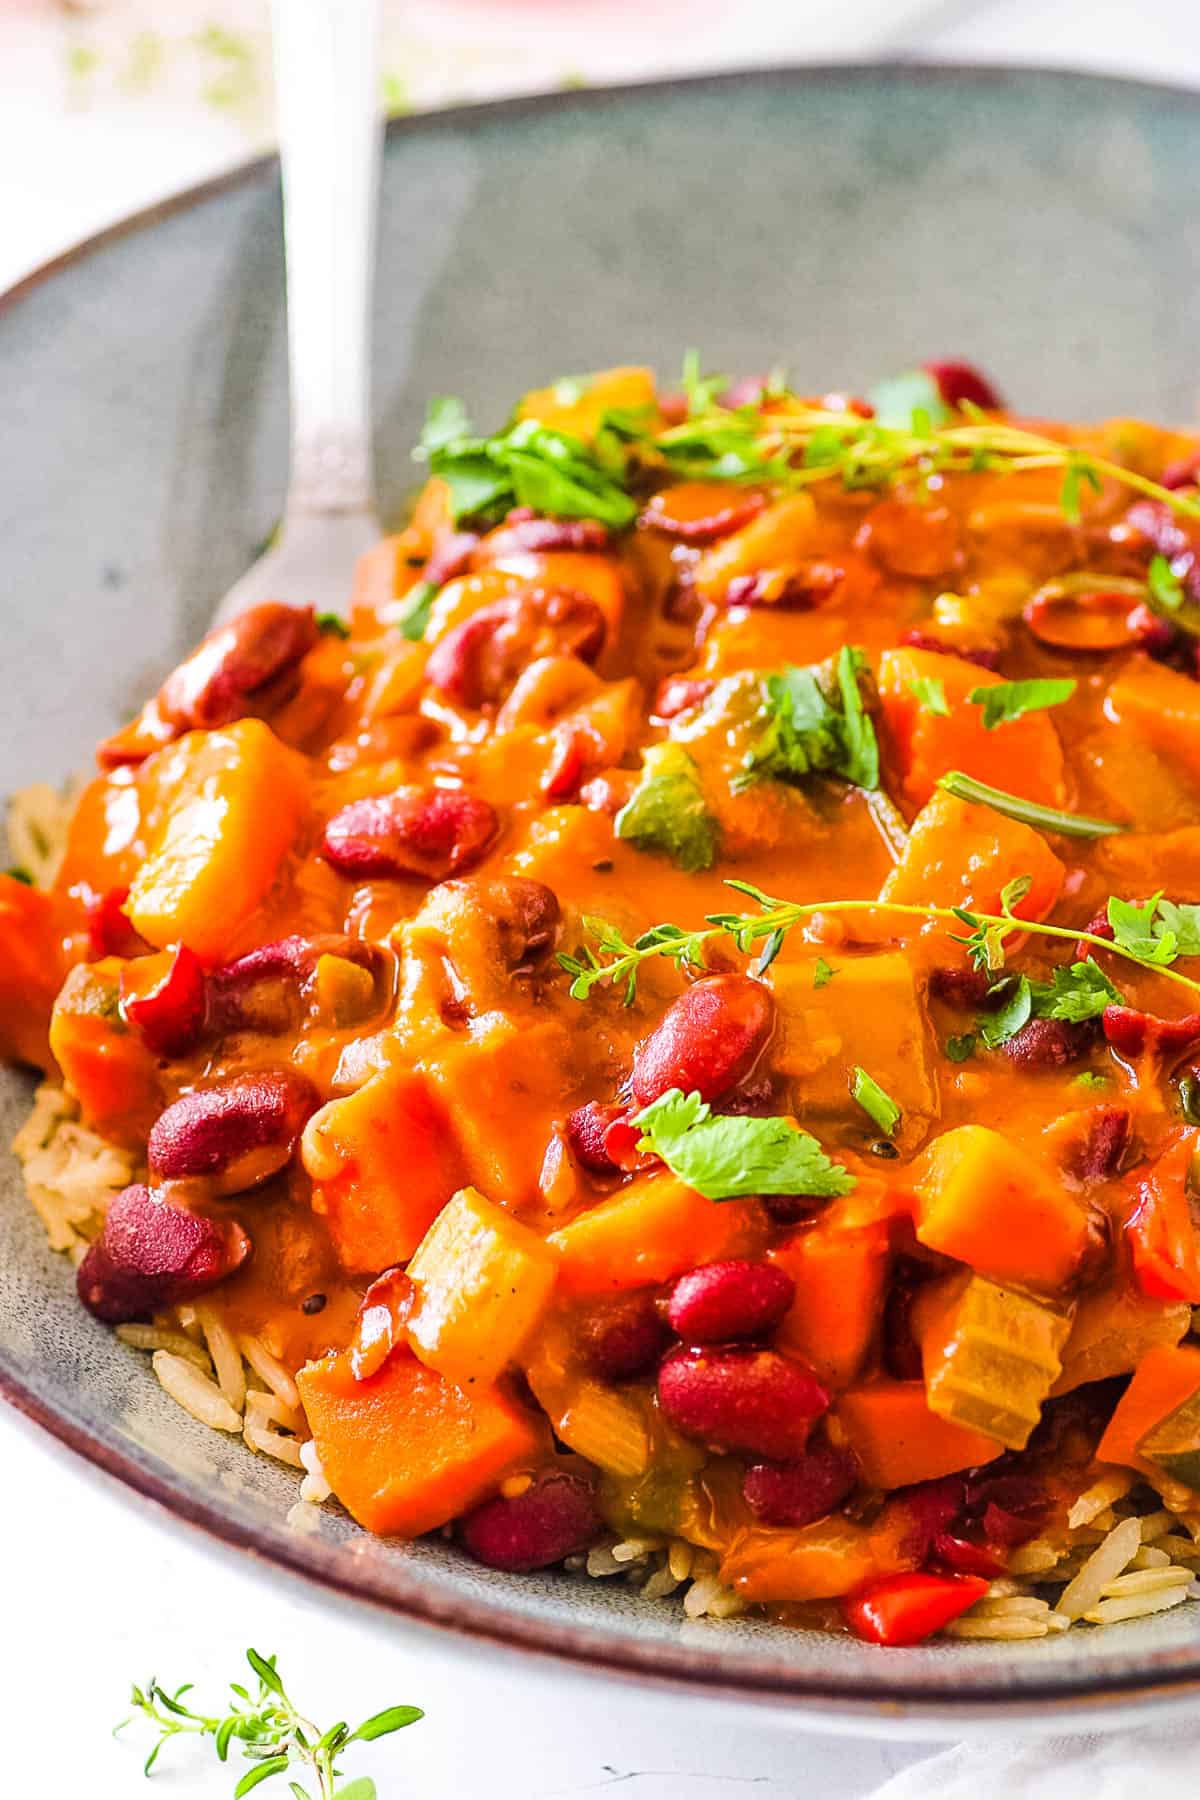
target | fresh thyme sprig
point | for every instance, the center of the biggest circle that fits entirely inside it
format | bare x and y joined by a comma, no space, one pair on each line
802,446
615,962
273,1735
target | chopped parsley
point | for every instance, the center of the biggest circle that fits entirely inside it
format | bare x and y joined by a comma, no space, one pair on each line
930,694
878,1105
16,873
667,810
528,465
911,401
822,973
1157,932
814,722
1073,994
1007,700
412,615
961,1049
1089,1078
730,1158
332,624
1166,589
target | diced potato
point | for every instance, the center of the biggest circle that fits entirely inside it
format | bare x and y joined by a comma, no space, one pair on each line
991,1355
482,1282
869,1014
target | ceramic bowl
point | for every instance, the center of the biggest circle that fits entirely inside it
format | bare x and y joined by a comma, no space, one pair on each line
846,222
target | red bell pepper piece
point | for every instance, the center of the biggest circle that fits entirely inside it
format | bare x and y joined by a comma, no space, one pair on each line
906,1609
1162,1237
164,997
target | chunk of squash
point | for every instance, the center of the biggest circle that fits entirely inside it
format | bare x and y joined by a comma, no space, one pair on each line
963,855
33,963
899,1440
1165,1380
107,1067
406,1451
653,1229
231,803
1160,706
839,1271
482,1281
985,1201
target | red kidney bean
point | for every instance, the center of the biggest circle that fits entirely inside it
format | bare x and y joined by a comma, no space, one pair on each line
925,640
964,1557
587,1135
429,832
801,1492
238,1132
678,694
959,381
152,1254
555,1517
932,1508
726,515
263,990
901,1351
451,557
478,661
707,1041
110,932
520,535
527,916
1098,1155
741,1399
1183,473
791,1209
623,1338
734,1299
788,590
170,1016
967,989
1050,1043
250,661
380,1324
1134,1033
578,750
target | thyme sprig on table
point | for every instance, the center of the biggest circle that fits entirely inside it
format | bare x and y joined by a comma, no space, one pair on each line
612,961
274,1736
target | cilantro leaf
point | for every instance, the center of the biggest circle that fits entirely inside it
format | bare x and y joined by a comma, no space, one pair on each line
1141,931
930,694
1166,589
805,733
1089,1078
875,1101
1017,1010
960,1049
1079,992
1007,700
1182,922
667,810
528,465
909,402
728,1158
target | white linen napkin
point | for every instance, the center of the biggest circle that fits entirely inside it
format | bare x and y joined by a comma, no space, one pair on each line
1160,1759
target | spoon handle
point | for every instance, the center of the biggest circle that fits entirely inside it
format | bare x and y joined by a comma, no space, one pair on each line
330,130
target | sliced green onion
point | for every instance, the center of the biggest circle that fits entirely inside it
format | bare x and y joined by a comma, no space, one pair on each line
878,1105
1028,812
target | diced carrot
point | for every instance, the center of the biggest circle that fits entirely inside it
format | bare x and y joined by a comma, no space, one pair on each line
1166,1376
780,537
232,802
108,1068
653,1229
899,1441
984,1200
839,1273
33,962
578,405
383,1164
482,1281
1160,706
925,745
405,1450
963,855
816,1562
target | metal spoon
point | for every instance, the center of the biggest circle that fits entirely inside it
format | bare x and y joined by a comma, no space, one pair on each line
326,56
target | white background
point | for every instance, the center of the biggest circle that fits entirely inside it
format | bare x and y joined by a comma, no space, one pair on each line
105,107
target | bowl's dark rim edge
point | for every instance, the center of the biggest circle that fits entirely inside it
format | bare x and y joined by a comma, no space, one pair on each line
654,1662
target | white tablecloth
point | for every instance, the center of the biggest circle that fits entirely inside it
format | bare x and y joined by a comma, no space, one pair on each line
105,107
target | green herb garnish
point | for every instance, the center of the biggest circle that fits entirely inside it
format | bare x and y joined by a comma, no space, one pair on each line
930,694
1008,700
272,1734
729,1158
822,973
331,624
411,616
667,810
812,726
17,873
875,1102
1074,993
960,1049
528,465
1089,1078
1028,812
911,401
1166,589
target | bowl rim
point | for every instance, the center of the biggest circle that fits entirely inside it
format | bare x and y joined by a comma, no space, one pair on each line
835,1700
